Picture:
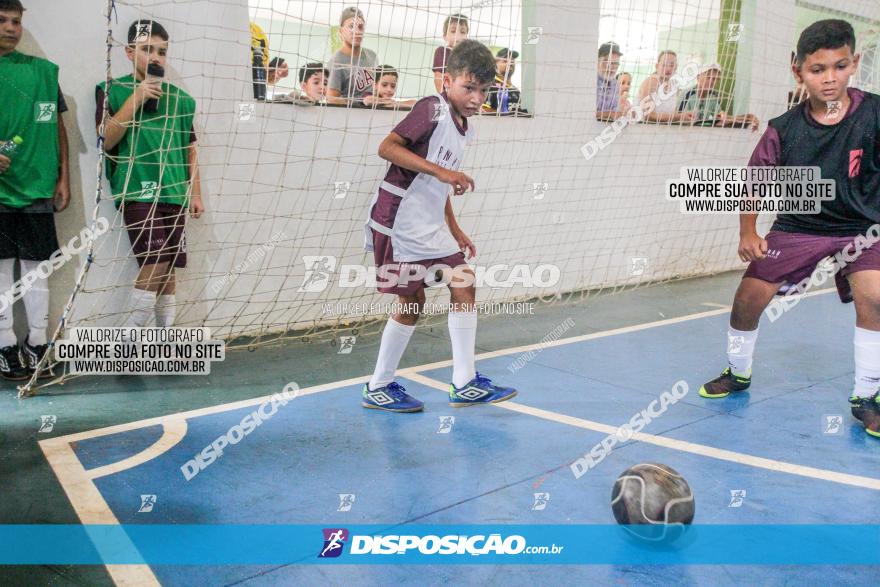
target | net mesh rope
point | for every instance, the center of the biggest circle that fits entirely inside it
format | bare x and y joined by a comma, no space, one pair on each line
287,183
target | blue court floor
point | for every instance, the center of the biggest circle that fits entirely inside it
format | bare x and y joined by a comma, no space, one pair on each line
787,452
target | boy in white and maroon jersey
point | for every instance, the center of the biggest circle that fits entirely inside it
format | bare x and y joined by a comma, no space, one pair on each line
414,235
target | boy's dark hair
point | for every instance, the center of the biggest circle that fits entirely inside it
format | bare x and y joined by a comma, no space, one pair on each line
276,62
472,57
139,28
310,69
825,34
350,12
606,49
385,70
11,6
458,19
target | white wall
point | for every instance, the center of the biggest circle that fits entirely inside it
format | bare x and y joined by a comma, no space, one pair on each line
276,173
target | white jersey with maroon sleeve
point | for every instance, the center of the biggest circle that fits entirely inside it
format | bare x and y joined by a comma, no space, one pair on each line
417,223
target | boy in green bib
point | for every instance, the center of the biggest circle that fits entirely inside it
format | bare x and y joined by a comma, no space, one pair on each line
151,164
34,184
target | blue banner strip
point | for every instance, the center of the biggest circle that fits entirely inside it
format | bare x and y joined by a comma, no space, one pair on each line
161,544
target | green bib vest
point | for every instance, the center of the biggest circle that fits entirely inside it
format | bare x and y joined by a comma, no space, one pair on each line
151,162
29,109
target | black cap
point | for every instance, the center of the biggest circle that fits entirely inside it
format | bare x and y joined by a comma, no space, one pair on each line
506,54
608,49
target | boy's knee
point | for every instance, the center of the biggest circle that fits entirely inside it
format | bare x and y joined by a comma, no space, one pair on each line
868,303
748,304
409,308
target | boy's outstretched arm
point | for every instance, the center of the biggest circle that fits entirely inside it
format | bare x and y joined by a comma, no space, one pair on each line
393,149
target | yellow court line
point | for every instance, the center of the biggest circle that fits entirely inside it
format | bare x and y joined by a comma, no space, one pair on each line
680,445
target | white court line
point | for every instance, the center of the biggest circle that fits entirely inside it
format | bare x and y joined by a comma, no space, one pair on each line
91,507
680,445
220,408
173,432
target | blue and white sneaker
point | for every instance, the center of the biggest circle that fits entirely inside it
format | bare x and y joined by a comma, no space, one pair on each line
478,391
391,398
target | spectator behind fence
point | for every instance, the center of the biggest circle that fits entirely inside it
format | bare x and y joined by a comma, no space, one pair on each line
624,84
386,87
704,102
352,67
455,29
503,96
608,103
663,91
313,81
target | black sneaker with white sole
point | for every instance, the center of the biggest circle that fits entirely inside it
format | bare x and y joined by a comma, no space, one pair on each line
32,357
11,365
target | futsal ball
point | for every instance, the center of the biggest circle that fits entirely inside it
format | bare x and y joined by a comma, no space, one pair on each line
651,493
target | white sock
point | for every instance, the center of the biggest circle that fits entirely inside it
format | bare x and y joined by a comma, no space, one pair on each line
7,278
36,304
740,348
165,310
867,354
395,337
463,332
140,307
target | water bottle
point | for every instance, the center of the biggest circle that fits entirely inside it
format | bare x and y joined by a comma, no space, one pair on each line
8,148
259,74
153,70
503,100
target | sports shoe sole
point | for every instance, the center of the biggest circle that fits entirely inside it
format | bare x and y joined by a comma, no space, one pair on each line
706,394
494,401
872,433
20,378
398,410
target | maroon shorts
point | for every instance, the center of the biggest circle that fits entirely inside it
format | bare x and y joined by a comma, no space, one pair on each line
156,232
389,270
792,257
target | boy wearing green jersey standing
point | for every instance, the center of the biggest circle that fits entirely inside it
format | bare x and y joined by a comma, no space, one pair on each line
34,184
151,164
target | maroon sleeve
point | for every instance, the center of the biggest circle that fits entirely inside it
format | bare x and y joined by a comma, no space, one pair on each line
420,122
768,152
441,55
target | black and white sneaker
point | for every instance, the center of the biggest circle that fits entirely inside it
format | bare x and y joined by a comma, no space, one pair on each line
32,356
11,364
